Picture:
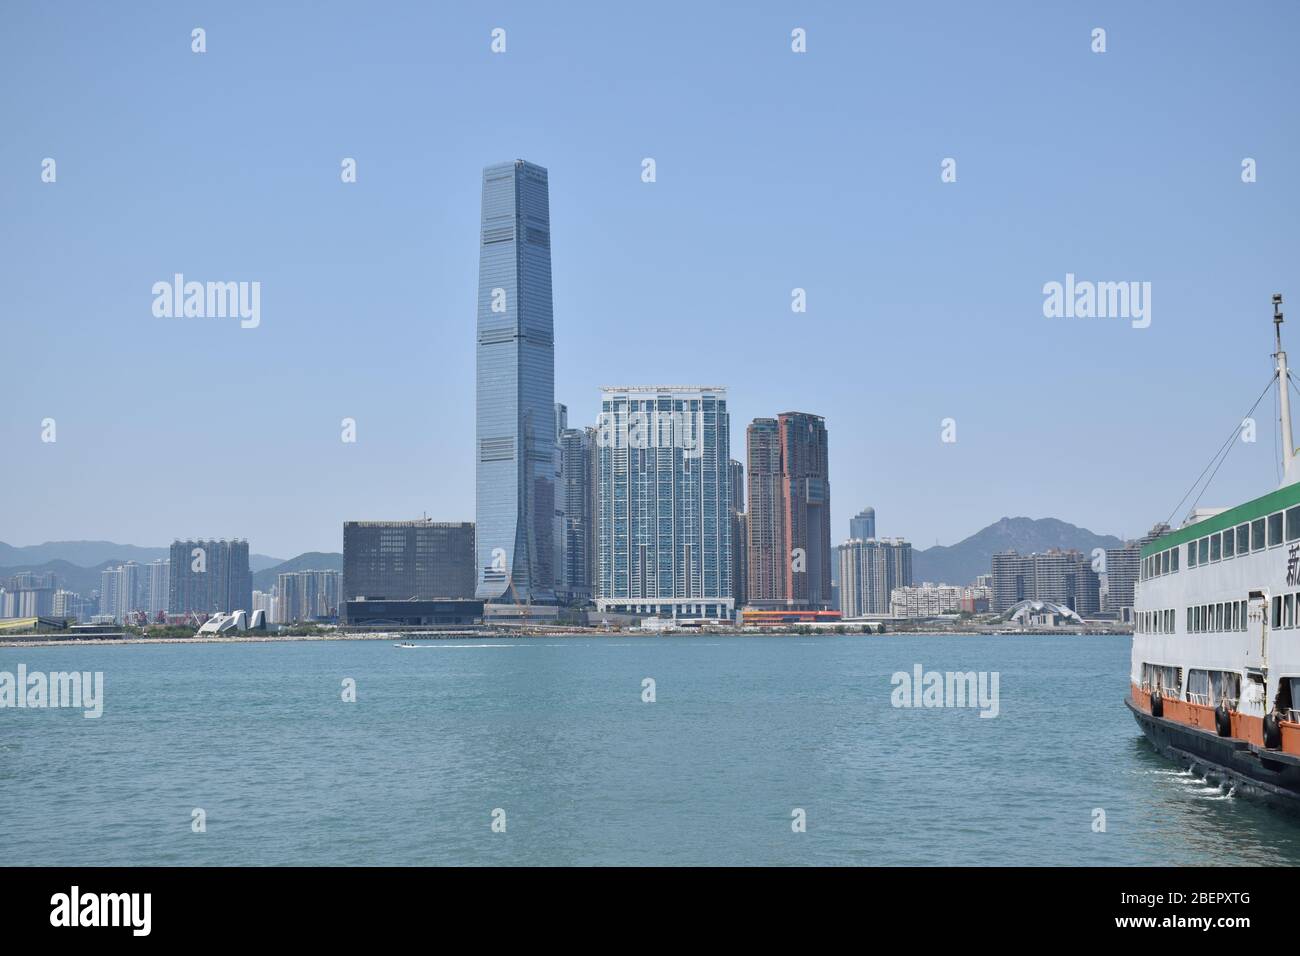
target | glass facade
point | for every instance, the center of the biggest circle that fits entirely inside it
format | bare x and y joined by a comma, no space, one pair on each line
515,433
664,502
405,560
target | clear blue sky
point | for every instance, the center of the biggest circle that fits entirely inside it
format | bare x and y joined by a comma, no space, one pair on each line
775,170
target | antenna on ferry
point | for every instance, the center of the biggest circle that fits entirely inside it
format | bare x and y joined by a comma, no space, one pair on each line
1283,388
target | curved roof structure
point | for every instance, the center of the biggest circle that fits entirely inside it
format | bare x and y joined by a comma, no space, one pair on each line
1020,613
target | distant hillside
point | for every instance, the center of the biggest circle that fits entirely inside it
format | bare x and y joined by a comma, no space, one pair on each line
311,561
961,563
85,554
95,554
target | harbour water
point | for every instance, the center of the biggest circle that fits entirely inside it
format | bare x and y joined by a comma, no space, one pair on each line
742,733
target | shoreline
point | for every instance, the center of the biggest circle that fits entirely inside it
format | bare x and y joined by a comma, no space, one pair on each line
37,641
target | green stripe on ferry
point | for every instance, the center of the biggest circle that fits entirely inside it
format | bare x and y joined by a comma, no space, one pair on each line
1278,500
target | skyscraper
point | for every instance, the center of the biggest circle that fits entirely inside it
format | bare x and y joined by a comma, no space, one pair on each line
869,572
1061,577
863,526
312,595
663,502
579,553
208,577
766,523
739,534
157,586
558,535
515,434
789,512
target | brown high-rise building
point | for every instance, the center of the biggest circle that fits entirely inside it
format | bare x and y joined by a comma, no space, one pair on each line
789,512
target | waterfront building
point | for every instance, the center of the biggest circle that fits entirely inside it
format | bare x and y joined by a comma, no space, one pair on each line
418,613
312,595
208,577
789,508
577,493
29,594
515,456
264,601
663,502
869,572
1122,568
739,535
558,537
156,586
932,600
66,603
404,560
1066,578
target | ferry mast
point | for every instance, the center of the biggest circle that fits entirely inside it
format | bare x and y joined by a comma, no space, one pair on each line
1283,388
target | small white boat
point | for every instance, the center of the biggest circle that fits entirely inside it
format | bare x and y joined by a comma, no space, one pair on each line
405,644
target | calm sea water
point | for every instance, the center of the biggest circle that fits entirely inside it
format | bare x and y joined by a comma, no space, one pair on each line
554,732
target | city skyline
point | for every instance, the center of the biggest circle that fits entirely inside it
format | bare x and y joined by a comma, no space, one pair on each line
934,313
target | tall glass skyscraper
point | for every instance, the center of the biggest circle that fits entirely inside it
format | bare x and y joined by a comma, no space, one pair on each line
664,502
516,447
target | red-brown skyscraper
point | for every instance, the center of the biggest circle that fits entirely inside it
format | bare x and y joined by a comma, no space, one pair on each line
789,512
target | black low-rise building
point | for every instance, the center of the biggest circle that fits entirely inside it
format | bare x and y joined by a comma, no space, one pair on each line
382,612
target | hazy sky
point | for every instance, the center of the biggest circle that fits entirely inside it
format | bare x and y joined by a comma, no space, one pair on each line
775,170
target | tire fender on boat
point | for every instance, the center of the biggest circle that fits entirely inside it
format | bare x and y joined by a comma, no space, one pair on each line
1157,704
1223,720
1272,732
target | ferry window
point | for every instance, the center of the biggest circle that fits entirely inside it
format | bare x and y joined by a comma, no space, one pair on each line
1229,544
1230,616
1164,562
1173,559
1218,617
1293,523
1277,610
1257,534
1275,529
1243,538
1203,551
1214,547
1189,620
1173,620
1288,611
1191,554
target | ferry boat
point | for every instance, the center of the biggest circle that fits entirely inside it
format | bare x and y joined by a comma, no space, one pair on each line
1215,672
